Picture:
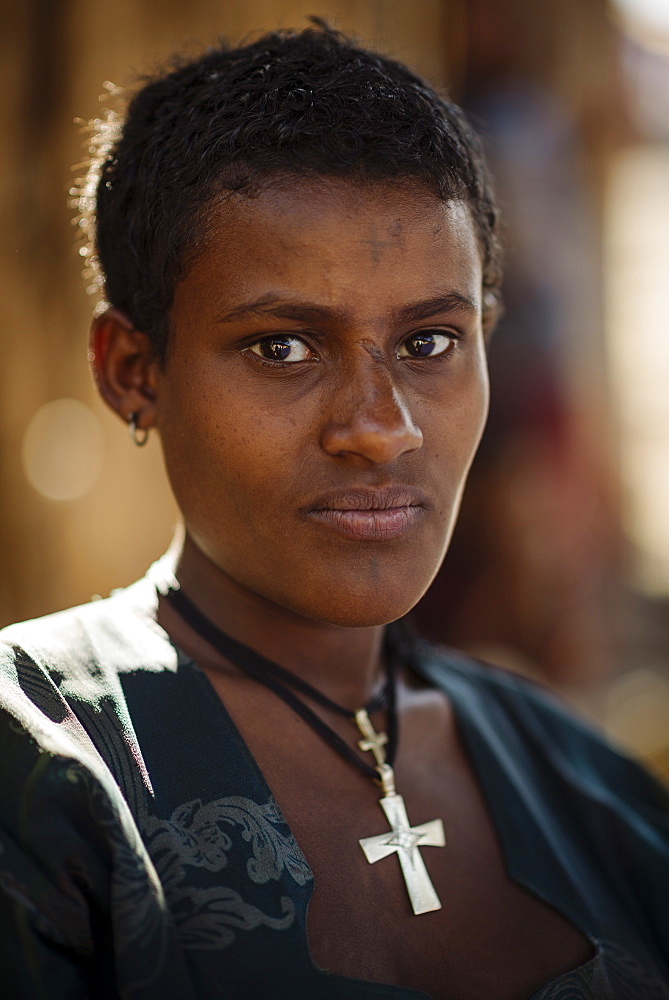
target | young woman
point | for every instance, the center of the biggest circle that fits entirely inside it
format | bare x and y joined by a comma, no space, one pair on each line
299,253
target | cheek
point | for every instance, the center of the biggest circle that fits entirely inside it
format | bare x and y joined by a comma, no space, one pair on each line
224,457
453,420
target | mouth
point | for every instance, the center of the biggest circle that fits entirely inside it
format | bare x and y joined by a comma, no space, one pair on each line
368,514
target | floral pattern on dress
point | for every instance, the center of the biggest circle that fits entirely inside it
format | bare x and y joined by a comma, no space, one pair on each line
200,836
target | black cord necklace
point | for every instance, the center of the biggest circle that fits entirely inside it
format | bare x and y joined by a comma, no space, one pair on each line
281,681
403,839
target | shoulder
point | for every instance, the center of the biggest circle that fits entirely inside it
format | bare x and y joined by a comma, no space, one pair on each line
541,732
119,630
61,683
72,778
82,650
577,816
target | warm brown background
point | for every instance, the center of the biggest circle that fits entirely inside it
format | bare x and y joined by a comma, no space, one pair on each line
540,574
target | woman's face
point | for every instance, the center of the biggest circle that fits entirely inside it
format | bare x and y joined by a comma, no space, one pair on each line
325,391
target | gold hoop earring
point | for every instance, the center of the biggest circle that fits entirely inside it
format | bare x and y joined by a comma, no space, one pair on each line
138,435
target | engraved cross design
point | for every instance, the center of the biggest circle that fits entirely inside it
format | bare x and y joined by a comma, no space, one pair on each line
405,841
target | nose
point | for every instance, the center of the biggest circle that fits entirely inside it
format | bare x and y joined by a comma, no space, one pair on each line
369,419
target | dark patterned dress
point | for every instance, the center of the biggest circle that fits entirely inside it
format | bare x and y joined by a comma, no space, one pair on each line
143,857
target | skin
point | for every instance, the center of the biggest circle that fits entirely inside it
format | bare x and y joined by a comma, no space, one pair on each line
252,448
249,446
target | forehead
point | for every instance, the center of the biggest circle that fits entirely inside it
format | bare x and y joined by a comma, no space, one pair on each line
335,242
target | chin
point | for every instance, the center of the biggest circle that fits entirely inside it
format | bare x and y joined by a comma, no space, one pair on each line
364,619
366,607
361,592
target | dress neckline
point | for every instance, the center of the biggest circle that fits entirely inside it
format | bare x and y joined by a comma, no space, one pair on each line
463,720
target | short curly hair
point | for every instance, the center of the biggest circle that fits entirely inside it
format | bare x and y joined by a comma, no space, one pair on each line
305,103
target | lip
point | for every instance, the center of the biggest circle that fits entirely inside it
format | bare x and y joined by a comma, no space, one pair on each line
367,514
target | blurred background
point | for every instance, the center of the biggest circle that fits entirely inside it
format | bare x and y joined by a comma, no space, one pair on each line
560,564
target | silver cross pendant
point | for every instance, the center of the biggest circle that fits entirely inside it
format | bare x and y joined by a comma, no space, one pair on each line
403,839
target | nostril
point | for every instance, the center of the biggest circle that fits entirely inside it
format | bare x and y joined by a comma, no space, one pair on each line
375,439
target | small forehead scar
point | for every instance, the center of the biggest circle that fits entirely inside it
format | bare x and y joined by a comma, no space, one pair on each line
374,351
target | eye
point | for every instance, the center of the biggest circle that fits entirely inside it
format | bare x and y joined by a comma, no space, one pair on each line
426,344
282,348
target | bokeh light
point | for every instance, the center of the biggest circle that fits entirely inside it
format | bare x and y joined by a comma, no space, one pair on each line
637,301
653,13
636,708
63,449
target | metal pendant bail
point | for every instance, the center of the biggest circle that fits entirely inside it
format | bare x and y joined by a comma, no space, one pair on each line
386,779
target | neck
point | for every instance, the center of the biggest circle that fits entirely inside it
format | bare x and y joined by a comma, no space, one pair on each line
342,663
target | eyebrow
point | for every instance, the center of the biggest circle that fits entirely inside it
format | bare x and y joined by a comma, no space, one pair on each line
270,305
449,302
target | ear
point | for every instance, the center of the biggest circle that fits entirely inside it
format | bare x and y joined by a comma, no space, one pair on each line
493,310
124,367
